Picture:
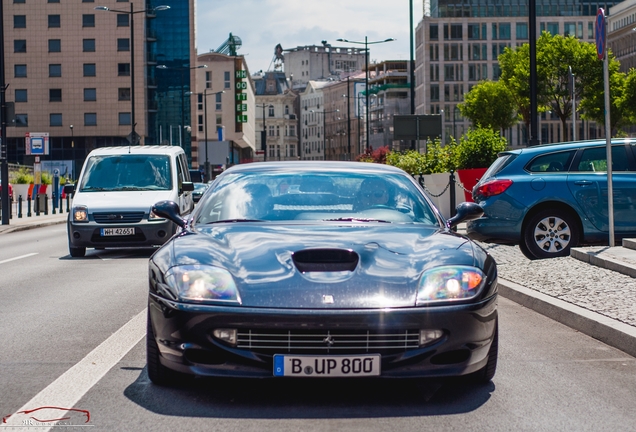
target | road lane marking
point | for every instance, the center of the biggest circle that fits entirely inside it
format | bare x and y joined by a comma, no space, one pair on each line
20,257
73,384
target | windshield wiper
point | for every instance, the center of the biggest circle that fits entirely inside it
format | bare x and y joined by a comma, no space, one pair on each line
353,219
94,188
236,220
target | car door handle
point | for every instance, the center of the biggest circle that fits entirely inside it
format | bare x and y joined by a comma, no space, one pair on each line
582,182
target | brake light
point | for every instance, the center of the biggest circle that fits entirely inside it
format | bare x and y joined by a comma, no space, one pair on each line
493,187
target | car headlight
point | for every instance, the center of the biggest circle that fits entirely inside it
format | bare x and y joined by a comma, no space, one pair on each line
80,214
202,283
449,283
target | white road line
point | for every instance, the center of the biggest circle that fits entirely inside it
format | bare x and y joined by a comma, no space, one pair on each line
20,257
73,384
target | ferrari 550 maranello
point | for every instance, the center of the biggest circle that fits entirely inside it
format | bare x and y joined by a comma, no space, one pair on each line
320,270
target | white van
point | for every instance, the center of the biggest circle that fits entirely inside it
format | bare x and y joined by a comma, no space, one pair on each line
115,192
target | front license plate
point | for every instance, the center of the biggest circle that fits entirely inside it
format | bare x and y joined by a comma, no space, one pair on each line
326,366
117,231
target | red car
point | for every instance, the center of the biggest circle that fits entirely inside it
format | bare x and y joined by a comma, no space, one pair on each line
10,191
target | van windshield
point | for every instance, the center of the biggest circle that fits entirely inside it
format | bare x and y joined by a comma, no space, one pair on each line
126,173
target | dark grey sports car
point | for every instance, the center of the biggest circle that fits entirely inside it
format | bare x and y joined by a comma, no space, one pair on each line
320,269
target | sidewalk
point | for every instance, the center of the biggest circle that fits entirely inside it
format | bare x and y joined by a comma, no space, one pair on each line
592,291
33,221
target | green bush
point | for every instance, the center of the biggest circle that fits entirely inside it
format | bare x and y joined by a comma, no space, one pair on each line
22,176
47,178
478,148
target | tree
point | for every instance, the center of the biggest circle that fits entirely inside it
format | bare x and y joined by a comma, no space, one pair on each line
490,104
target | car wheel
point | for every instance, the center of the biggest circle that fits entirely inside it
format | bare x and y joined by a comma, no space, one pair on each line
524,250
485,374
551,233
76,252
158,373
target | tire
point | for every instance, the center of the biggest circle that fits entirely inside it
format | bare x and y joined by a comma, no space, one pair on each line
524,250
551,233
486,374
158,373
76,252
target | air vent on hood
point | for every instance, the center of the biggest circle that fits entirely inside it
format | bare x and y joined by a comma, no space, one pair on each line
325,260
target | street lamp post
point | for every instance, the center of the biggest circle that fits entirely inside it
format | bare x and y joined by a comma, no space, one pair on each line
134,138
205,129
73,153
366,71
264,133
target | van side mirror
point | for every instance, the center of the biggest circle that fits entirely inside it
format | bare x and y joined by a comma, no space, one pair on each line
187,187
69,189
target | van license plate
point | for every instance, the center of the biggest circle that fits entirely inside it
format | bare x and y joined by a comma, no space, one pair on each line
117,231
326,366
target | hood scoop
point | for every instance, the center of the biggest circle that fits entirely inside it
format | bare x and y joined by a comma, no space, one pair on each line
325,260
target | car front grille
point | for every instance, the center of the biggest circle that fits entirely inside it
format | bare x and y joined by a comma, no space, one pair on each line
118,217
333,342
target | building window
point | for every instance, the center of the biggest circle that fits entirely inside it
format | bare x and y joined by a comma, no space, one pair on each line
54,21
55,70
89,70
123,94
90,119
19,1
55,45
200,123
123,44
218,101
434,32
123,69
55,119
88,45
19,46
19,21
124,118
21,95
88,20
90,94
522,30
226,79
20,71
208,79
569,29
88,1
54,1
434,92
21,120
123,20
55,95
271,111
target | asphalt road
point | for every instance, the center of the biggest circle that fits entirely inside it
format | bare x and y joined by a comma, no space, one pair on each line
72,333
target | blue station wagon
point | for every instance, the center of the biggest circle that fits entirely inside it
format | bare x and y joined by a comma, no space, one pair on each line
550,198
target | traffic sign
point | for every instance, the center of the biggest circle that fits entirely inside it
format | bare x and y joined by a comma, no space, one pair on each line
133,138
600,34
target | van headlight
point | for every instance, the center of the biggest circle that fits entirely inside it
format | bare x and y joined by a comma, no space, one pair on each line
80,214
449,283
153,216
203,283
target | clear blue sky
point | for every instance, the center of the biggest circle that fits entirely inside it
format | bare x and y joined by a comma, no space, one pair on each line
262,24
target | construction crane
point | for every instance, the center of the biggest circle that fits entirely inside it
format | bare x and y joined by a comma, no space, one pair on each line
230,46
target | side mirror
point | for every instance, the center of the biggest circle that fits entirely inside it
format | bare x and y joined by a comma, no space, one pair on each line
69,189
187,186
464,212
169,210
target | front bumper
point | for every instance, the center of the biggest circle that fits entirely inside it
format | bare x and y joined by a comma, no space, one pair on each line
184,336
147,234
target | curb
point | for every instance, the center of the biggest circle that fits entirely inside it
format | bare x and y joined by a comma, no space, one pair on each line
16,228
596,257
610,331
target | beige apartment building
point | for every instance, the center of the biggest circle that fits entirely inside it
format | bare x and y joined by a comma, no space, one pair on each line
224,114
73,72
